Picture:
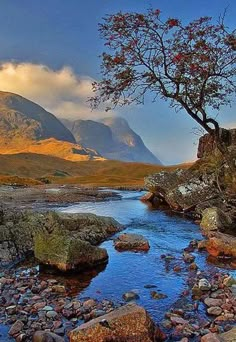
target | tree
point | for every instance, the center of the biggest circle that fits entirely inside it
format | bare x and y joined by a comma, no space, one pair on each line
193,66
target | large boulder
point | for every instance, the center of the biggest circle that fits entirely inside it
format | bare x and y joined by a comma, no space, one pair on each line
214,219
129,323
18,230
207,143
222,245
67,253
131,242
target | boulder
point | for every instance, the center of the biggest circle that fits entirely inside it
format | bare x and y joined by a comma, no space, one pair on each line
207,144
131,242
182,189
193,190
222,245
210,337
214,219
229,336
128,323
46,336
67,253
18,230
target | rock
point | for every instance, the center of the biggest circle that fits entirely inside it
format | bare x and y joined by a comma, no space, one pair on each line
128,296
148,197
214,219
229,336
210,337
156,295
16,328
89,304
229,281
204,285
131,242
193,267
213,302
182,190
178,320
58,288
128,323
188,258
17,240
51,314
202,244
214,310
67,253
45,336
207,144
222,245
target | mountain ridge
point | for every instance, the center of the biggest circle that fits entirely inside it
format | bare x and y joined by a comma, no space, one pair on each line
112,138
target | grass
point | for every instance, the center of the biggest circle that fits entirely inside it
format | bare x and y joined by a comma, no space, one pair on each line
29,167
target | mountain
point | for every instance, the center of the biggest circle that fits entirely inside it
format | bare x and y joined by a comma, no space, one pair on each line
27,127
112,138
21,119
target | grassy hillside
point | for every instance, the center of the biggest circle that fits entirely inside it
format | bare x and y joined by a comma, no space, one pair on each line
52,147
107,172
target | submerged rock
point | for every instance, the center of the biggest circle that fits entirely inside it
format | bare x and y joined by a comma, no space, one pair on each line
131,242
128,296
128,323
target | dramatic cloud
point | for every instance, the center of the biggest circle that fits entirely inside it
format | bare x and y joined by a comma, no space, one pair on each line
61,92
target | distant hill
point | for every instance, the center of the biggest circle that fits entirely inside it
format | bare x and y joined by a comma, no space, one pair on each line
112,138
21,119
27,127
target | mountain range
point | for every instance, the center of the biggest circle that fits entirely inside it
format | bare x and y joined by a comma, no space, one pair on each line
113,138
27,127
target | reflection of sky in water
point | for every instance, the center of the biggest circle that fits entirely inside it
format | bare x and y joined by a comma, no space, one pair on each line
132,271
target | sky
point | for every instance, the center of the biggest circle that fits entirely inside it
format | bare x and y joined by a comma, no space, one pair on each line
50,54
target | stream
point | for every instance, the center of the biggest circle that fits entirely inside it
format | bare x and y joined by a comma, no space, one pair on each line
129,271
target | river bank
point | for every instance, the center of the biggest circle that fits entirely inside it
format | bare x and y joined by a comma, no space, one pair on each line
161,278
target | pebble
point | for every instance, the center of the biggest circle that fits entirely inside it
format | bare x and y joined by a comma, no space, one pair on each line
204,285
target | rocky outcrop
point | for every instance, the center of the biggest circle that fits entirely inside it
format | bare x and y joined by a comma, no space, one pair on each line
207,144
182,190
112,138
131,242
18,230
129,323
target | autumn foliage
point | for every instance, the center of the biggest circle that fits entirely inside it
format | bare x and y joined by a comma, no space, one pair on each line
190,65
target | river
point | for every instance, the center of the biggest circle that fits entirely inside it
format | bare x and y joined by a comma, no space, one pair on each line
128,271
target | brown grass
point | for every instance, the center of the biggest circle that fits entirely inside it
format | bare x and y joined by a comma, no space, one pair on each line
60,171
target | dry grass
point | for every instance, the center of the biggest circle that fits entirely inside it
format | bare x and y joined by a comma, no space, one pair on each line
60,171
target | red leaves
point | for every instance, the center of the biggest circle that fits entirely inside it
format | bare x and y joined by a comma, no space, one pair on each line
172,22
118,60
178,58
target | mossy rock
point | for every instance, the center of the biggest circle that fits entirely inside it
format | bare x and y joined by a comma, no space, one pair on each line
67,253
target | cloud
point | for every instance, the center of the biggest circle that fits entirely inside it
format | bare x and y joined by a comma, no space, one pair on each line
61,92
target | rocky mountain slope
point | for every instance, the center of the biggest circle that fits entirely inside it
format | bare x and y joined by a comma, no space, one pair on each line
27,127
112,138
23,119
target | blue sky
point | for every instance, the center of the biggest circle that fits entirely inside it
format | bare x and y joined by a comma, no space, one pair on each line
59,33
